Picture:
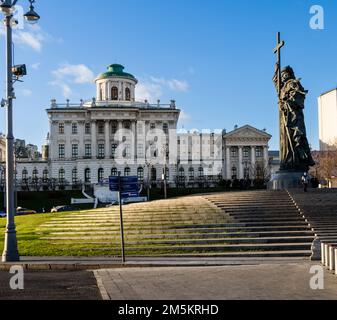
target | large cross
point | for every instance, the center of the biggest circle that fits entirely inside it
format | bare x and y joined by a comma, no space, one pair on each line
277,50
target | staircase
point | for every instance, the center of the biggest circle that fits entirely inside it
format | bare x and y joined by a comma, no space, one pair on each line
319,206
235,225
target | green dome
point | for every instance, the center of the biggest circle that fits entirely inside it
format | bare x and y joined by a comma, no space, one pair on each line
115,70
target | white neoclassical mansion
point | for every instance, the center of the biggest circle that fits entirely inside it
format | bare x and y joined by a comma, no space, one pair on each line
114,133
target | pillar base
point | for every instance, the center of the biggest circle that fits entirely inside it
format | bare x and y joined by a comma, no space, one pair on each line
286,180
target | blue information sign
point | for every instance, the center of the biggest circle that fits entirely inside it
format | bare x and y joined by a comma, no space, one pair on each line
129,186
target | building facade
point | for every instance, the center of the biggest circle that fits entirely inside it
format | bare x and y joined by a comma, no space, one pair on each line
327,113
113,133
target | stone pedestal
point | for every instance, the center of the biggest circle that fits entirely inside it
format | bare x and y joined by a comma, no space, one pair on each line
286,180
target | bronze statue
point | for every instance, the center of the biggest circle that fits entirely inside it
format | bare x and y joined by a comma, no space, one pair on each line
295,152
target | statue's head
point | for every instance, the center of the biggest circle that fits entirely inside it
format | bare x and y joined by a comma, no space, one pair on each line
287,74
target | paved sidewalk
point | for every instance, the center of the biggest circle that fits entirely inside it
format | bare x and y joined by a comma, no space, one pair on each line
78,263
281,281
52,285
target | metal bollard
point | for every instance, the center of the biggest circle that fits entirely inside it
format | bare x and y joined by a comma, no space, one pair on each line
326,255
322,253
332,264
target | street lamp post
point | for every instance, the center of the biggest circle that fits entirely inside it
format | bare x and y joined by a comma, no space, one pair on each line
7,7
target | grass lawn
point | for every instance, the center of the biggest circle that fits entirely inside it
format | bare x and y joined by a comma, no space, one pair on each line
96,232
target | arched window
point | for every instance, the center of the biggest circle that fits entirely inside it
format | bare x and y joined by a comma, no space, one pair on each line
127,94
62,176
114,172
181,174
191,174
87,175
167,174
25,175
74,176
201,172
35,174
100,174
234,173
114,93
153,174
127,172
140,174
45,175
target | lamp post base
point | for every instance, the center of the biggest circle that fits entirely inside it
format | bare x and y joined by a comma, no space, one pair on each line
11,253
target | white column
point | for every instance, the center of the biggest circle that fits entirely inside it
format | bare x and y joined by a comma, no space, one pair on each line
107,139
266,155
81,131
228,163
241,175
93,139
134,140
253,157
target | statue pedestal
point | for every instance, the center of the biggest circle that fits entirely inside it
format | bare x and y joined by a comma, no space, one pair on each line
286,180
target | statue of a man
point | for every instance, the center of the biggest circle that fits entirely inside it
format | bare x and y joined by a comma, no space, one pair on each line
295,150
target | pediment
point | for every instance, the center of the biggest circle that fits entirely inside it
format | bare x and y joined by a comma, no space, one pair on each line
248,132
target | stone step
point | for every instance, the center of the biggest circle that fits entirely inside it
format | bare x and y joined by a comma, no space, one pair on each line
153,235
224,248
180,242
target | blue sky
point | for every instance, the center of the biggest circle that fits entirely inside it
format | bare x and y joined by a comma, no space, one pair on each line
214,57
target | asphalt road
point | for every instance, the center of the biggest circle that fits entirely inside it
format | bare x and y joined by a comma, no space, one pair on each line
52,285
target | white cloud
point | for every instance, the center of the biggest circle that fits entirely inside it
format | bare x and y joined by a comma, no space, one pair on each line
36,66
177,85
66,90
152,89
75,73
27,93
184,118
68,75
148,91
32,36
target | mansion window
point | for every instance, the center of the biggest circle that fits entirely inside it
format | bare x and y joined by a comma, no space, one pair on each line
181,174
100,175
127,125
152,126
62,176
127,152
153,174
88,150
259,152
101,151
191,174
74,128
87,128
234,152
101,128
113,150
24,175
61,151
114,172
45,176
87,175
140,174
165,128
114,93
246,152
114,127
35,175
61,128
127,94
127,172
74,176
167,174
234,173
74,151
201,172
246,173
